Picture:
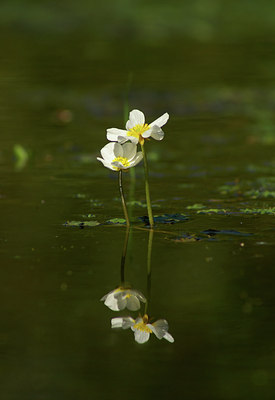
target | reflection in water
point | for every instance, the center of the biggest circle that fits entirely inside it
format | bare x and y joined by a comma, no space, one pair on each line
121,298
142,328
125,297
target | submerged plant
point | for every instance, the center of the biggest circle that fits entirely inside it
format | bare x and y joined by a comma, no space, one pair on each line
142,328
137,131
120,157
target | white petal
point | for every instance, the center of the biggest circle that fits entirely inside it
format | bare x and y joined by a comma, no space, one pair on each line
122,322
169,337
117,322
160,328
136,117
119,165
147,133
137,159
161,120
118,151
141,336
128,322
107,151
112,303
157,133
133,303
113,134
139,295
106,164
121,303
129,150
133,139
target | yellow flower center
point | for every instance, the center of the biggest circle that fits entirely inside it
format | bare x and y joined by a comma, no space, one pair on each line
141,326
137,131
123,160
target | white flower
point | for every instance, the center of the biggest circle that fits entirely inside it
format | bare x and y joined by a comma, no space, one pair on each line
137,130
120,156
142,329
121,298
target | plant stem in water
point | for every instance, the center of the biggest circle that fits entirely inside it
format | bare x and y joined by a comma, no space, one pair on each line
147,188
149,258
123,257
123,198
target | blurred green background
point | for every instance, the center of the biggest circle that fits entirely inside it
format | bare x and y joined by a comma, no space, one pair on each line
66,70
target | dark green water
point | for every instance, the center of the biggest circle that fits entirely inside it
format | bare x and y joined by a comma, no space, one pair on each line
212,275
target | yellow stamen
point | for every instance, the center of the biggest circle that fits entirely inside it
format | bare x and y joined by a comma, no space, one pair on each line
123,160
137,131
141,326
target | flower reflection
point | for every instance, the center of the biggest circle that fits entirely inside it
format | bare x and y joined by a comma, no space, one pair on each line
121,298
142,328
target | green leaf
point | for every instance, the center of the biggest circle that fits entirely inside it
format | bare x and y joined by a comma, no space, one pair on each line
82,224
116,221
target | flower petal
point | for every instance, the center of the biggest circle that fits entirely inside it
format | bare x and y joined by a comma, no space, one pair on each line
137,159
157,133
133,303
141,336
161,120
136,117
160,328
118,150
119,165
139,295
106,164
117,322
111,302
133,139
122,322
116,135
129,150
107,151
169,337
147,133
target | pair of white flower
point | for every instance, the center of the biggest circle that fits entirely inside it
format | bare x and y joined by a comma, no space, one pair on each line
121,298
119,155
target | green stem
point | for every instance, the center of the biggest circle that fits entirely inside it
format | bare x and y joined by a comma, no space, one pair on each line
126,110
147,188
123,257
123,198
149,258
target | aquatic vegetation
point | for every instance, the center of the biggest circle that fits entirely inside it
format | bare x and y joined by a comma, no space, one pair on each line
262,211
230,189
213,232
123,297
141,204
142,328
196,207
81,224
116,221
257,194
213,211
167,218
21,156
